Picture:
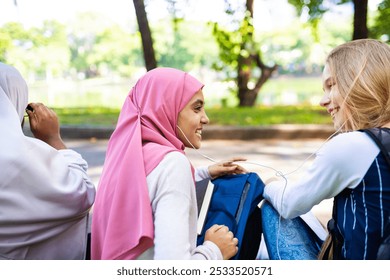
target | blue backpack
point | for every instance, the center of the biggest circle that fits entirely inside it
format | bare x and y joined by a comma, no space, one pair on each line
234,204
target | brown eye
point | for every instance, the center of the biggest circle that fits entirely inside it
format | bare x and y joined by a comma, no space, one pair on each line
198,108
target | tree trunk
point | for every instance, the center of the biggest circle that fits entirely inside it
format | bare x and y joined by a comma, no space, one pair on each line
247,97
360,30
146,36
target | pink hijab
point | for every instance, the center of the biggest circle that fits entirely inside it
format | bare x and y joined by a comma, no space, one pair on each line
122,225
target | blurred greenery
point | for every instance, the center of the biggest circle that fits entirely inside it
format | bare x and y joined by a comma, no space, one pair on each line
110,93
91,116
92,62
84,49
259,115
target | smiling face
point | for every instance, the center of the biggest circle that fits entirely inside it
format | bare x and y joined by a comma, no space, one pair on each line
191,120
332,100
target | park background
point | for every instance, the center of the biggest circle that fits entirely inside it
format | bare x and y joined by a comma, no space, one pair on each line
82,57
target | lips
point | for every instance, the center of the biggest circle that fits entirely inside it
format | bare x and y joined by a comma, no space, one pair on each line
333,111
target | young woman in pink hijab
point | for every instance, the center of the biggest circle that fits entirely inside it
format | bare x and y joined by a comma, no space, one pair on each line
146,203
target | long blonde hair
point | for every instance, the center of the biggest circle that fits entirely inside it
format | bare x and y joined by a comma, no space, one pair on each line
361,69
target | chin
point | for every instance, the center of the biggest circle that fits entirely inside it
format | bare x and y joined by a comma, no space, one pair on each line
197,144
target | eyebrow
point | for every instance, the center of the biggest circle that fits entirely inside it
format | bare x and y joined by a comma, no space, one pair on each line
198,101
328,79
326,82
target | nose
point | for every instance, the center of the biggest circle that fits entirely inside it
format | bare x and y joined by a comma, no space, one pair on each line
325,100
205,119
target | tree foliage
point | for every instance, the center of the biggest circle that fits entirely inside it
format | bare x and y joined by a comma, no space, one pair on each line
315,9
381,28
241,56
91,45
43,50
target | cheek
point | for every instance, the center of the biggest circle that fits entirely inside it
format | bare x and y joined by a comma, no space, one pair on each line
335,96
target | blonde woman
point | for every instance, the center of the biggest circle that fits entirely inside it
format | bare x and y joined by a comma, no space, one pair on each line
350,166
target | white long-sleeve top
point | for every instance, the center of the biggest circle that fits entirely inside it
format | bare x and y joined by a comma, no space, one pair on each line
45,204
173,200
341,163
45,194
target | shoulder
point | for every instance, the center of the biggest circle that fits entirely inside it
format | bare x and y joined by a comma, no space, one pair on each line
174,167
350,147
352,142
175,161
172,175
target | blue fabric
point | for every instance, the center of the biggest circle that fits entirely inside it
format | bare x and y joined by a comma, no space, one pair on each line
288,239
361,213
234,199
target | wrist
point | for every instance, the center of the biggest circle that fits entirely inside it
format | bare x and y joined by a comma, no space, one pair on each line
55,141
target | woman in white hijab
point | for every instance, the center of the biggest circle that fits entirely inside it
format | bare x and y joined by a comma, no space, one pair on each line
45,193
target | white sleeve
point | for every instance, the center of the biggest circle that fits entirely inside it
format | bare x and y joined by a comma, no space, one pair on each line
202,173
341,163
172,192
48,188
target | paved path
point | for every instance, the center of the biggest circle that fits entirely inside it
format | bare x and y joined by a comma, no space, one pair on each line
264,157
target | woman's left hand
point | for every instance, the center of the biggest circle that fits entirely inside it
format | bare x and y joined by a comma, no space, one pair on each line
227,167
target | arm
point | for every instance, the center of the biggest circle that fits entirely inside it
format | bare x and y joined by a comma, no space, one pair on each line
225,167
50,192
172,194
341,163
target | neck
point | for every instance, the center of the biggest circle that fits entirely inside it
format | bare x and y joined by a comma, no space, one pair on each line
386,125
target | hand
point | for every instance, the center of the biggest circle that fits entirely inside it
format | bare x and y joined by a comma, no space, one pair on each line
224,239
45,126
227,167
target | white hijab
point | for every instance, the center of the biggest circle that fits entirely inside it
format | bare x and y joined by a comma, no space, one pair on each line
45,194
15,87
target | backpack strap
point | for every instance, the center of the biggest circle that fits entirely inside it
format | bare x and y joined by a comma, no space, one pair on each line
381,136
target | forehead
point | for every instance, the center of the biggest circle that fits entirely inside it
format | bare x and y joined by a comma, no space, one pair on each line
197,97
326,73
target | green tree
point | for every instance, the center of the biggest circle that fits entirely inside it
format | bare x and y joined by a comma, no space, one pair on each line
5,44
381,28
38,50
316,9
240,54
50,48
82,39
190,46
116,51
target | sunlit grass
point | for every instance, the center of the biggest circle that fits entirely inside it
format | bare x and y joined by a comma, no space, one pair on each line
97,102
260,115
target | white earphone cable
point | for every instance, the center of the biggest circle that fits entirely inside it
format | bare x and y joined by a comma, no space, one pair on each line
277,172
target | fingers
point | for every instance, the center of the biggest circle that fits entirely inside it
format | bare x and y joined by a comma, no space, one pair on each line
224,229
235,159
215,228
232,161
233,169
30,114
39,110
224,239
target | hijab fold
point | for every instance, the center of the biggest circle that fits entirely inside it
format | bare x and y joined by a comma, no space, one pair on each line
122,226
